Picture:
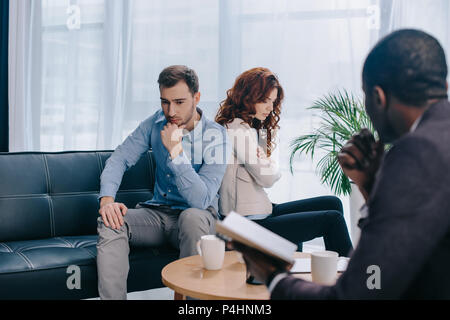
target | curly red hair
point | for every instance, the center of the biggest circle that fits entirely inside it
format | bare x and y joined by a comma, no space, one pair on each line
251,87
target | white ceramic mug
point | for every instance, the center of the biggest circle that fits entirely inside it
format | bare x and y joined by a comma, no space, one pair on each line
324,267
212,251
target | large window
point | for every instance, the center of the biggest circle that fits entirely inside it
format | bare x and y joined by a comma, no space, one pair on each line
71,73
91,66
99,60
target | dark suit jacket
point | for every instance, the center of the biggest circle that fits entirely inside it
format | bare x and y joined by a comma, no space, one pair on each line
407,231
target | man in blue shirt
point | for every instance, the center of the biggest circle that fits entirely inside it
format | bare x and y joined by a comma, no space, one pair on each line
191,154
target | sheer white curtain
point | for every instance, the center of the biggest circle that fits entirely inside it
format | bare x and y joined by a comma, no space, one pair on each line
22,115
55,74
83,72
88,68
315,47
432,16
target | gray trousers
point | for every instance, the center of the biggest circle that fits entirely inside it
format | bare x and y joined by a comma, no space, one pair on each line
146,226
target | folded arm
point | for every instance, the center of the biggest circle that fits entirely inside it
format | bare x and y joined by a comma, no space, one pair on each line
264,170
200,189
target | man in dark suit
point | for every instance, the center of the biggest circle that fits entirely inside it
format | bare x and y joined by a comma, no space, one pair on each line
404,249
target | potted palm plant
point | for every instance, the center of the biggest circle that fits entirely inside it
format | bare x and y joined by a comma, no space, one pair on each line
341,115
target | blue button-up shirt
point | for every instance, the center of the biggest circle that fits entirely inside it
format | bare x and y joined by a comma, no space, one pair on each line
191,180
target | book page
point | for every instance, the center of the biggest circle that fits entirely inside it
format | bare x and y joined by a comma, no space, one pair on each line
252,234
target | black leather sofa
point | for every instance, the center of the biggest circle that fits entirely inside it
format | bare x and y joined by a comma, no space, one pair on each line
48,222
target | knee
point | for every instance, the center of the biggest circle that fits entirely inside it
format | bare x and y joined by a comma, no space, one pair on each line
335,216
100,224
103,230
335,203
190,216
191,219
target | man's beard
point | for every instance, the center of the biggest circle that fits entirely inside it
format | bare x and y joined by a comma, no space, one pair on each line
380,120
193,114
386,132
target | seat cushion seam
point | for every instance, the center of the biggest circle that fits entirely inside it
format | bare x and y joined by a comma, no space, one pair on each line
25,196
26,259
52,217
5,246
90,253
40,247
50,201
66,242
99,161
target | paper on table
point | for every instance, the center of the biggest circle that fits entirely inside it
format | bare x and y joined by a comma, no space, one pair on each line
303,265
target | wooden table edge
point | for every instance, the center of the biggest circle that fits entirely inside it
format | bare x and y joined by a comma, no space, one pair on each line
182,293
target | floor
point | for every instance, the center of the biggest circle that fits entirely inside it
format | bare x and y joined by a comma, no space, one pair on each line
167,293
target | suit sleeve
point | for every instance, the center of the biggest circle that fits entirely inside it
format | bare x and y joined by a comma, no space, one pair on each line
408,217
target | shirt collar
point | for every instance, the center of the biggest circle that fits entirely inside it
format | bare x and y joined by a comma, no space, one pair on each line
197,132
160,117
415,124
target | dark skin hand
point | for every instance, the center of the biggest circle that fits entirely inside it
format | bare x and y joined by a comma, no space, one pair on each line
360,159
259,265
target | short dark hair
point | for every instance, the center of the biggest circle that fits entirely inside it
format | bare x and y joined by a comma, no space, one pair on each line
409,64
170,76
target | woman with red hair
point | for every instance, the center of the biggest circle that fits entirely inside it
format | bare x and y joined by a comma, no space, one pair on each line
251,113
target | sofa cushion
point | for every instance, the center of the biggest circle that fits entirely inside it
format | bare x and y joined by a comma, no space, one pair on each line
32,213
48,221
33,262
23,174
47,253
61,251
47,195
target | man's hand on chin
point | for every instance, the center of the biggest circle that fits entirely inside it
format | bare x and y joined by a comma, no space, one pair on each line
171,136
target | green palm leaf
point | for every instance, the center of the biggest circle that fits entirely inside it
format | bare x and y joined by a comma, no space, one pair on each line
341,115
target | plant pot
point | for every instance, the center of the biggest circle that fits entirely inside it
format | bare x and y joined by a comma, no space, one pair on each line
356,202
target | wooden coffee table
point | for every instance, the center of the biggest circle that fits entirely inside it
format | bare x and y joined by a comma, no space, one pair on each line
187,277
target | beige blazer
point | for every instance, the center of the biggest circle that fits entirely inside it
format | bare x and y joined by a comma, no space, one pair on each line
247,175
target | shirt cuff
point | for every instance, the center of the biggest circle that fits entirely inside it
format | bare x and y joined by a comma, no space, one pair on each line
107,191
275,281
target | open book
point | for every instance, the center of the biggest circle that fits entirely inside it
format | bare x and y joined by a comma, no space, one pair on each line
247,232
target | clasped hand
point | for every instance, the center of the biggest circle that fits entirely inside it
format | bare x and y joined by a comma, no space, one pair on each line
360,159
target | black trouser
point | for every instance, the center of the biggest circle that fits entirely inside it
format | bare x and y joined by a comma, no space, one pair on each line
303,220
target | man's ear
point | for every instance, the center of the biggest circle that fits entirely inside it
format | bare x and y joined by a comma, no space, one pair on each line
379,97
446,85
196,98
